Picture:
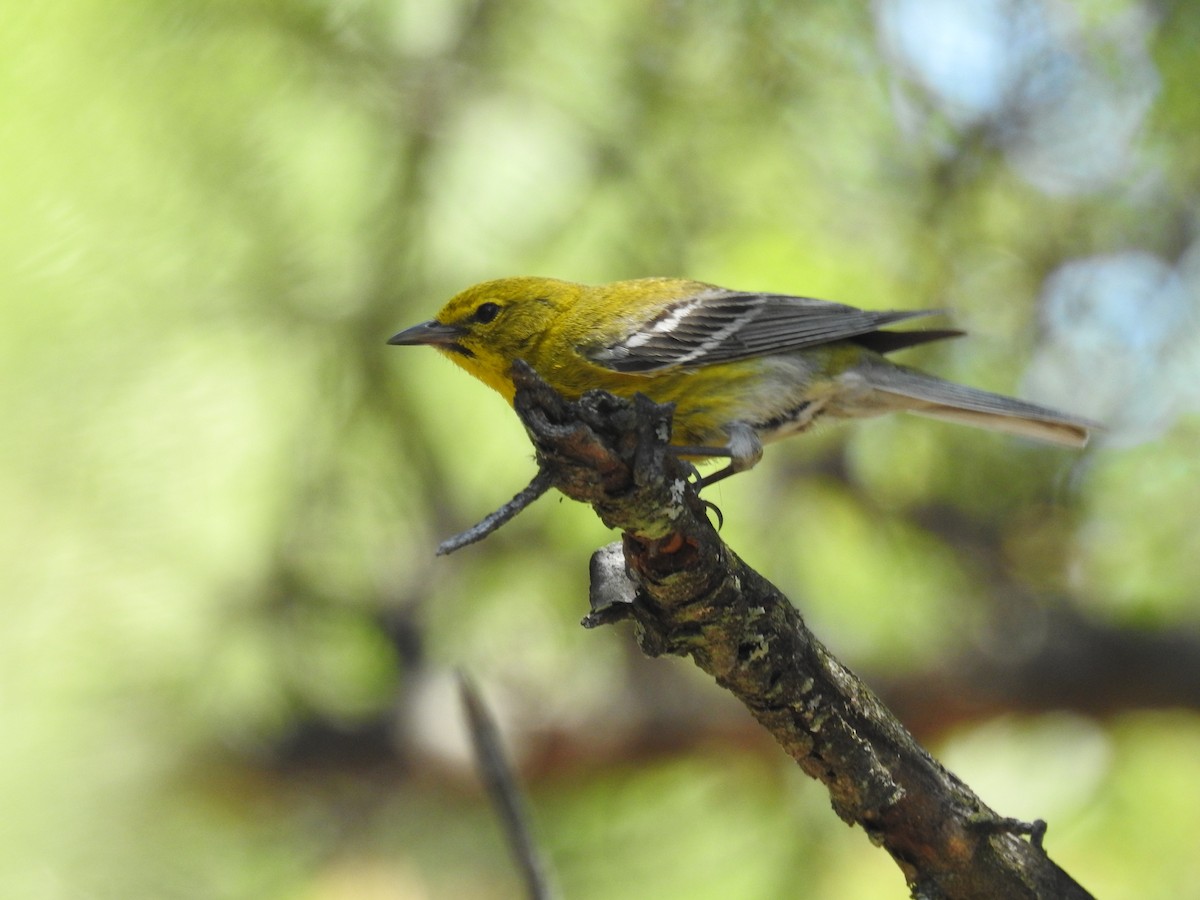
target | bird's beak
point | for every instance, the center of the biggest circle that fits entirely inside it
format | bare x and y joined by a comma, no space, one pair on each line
431,332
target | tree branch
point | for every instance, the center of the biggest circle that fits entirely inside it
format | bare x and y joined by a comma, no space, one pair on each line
689,594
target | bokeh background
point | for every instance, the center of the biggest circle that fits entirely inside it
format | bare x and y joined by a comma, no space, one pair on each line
227,648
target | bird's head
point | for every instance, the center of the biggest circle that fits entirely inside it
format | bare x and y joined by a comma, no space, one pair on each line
486,328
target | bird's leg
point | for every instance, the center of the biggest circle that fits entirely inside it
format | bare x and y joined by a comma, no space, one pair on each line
744,450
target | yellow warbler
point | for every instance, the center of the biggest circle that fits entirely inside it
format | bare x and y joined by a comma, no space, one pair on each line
741,367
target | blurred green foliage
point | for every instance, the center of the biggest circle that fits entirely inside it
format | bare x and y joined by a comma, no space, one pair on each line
223,663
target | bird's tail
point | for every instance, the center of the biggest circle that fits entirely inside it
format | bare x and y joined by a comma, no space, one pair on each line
927,395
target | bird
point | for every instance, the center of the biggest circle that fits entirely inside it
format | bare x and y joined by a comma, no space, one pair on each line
742,368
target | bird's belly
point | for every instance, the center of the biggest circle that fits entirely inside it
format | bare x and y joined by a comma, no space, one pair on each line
789,421
777,397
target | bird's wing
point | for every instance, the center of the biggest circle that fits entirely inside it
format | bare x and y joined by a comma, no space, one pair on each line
717,326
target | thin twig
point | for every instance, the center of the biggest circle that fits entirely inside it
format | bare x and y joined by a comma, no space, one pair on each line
541,483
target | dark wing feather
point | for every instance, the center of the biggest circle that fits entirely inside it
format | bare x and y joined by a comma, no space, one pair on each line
891,341
718,326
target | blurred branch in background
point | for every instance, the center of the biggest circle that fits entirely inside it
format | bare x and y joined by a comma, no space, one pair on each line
507,797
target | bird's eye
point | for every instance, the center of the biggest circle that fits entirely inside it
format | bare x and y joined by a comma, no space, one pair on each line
486,312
